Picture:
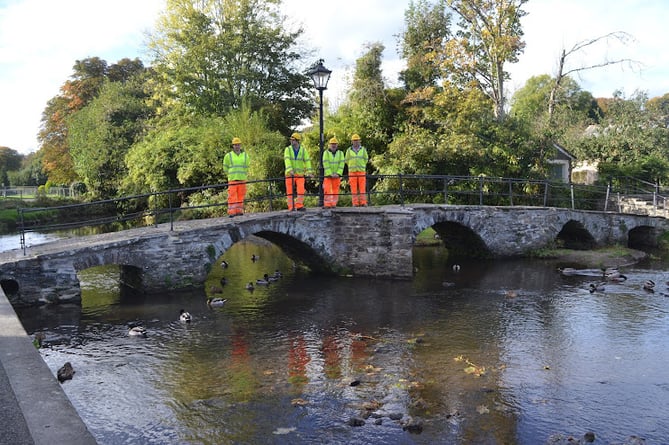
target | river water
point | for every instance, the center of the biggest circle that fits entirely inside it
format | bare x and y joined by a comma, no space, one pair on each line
506,352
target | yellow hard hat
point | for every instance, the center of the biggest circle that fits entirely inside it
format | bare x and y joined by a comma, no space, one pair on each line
355,137
236,141
296,136
333,141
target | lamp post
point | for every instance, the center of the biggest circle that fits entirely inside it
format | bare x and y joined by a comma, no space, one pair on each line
320,75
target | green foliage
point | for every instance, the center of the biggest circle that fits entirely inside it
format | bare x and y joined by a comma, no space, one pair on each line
215,54
101,133
427,28
631,140
187,151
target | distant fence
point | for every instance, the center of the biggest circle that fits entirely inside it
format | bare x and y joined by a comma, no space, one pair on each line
32,192
269,194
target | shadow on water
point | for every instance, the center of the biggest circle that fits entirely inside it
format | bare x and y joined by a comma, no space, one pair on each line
495,352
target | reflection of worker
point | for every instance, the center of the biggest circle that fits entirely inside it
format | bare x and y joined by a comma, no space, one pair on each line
333,168
298,165
356,158
236,166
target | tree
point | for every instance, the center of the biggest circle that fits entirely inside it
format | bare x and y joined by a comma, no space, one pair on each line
215,54
564,71
427,31
101,133
10,160
490,35
631,140
186,150
574,109
89,75
86,80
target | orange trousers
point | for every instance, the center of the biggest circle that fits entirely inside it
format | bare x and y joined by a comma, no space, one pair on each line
358,182
295,198
331,191
236,194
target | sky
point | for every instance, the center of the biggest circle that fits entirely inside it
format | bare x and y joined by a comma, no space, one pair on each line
40,40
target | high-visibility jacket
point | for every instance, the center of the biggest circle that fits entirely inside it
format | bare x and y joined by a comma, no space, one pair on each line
236,166
333,162
357,162
297,165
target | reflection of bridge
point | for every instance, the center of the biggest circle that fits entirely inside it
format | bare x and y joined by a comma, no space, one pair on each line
372,241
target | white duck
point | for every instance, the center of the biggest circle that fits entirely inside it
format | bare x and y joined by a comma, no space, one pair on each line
216,302
137,331
185,316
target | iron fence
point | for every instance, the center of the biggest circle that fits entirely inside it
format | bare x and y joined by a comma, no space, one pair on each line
269,194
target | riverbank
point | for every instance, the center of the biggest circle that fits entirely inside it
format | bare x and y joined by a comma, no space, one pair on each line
614,256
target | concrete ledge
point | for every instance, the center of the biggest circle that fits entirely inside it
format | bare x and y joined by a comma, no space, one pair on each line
30,394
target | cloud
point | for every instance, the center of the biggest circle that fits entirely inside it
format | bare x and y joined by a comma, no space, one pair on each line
40,40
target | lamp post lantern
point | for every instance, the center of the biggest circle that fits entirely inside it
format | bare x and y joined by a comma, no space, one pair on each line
320,75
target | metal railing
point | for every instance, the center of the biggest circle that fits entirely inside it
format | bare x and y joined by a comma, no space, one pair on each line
269,194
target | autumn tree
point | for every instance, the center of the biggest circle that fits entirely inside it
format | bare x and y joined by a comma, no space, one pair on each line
215,54
101,133
84,85
489,36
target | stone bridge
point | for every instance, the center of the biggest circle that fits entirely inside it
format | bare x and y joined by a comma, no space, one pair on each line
372,241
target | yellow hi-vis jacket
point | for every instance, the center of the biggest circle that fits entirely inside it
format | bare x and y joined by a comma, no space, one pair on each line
236,166
297,165
333,162
357,162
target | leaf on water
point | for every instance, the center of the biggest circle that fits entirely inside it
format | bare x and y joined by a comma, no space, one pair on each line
284,430
482,409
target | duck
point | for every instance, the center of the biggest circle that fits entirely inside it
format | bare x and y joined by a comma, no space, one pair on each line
271,278
596,287
184,316
216,302
250,286
66,372
568,271
510,293
649,286
277,274
224,264
254,257
456,268
616,277
264,281
224,281
137,331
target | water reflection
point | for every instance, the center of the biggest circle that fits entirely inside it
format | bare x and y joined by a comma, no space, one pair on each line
304,359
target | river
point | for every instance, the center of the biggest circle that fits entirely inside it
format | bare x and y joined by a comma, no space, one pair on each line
499,352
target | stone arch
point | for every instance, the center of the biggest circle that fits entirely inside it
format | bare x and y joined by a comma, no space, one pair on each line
10,287
297,250
460,239
642,237
575,236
